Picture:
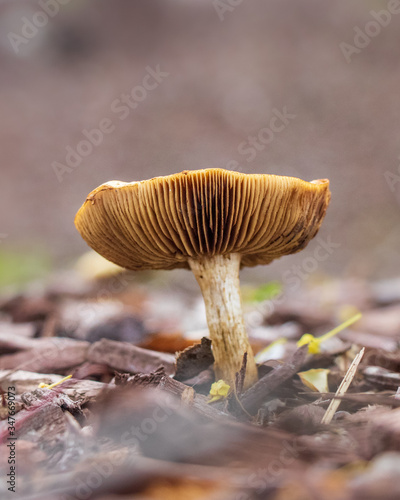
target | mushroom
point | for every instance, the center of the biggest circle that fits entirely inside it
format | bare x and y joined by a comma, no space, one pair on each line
213,222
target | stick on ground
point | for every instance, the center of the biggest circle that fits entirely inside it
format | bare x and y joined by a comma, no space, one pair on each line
342,389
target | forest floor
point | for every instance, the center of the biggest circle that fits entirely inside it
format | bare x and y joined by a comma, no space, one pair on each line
135,421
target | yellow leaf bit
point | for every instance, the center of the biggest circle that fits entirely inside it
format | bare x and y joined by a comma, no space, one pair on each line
50,386
315,379
219,390
314,343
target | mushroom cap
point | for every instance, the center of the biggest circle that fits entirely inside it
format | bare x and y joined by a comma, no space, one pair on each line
163,222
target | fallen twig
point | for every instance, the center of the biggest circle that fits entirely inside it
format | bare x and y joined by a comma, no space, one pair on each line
257,394
342,389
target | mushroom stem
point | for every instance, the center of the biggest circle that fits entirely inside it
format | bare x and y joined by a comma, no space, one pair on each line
218,277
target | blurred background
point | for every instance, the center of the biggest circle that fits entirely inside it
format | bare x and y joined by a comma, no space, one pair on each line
93,91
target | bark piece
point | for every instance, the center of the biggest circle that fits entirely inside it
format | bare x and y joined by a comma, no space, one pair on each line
43,413
24,381
258,393
129,358
160,380
194,360
47,356
379,377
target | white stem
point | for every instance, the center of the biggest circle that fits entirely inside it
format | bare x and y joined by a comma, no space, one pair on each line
218,277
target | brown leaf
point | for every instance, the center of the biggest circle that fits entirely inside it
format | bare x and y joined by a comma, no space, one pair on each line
194,360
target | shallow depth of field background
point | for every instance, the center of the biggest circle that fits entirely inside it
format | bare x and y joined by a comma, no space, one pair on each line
225,79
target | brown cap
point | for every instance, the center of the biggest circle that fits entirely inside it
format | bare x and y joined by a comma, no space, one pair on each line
162,222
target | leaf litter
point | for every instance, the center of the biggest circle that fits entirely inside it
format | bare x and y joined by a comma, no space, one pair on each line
112,408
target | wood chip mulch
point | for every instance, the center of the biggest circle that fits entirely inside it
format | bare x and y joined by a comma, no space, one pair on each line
134,422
